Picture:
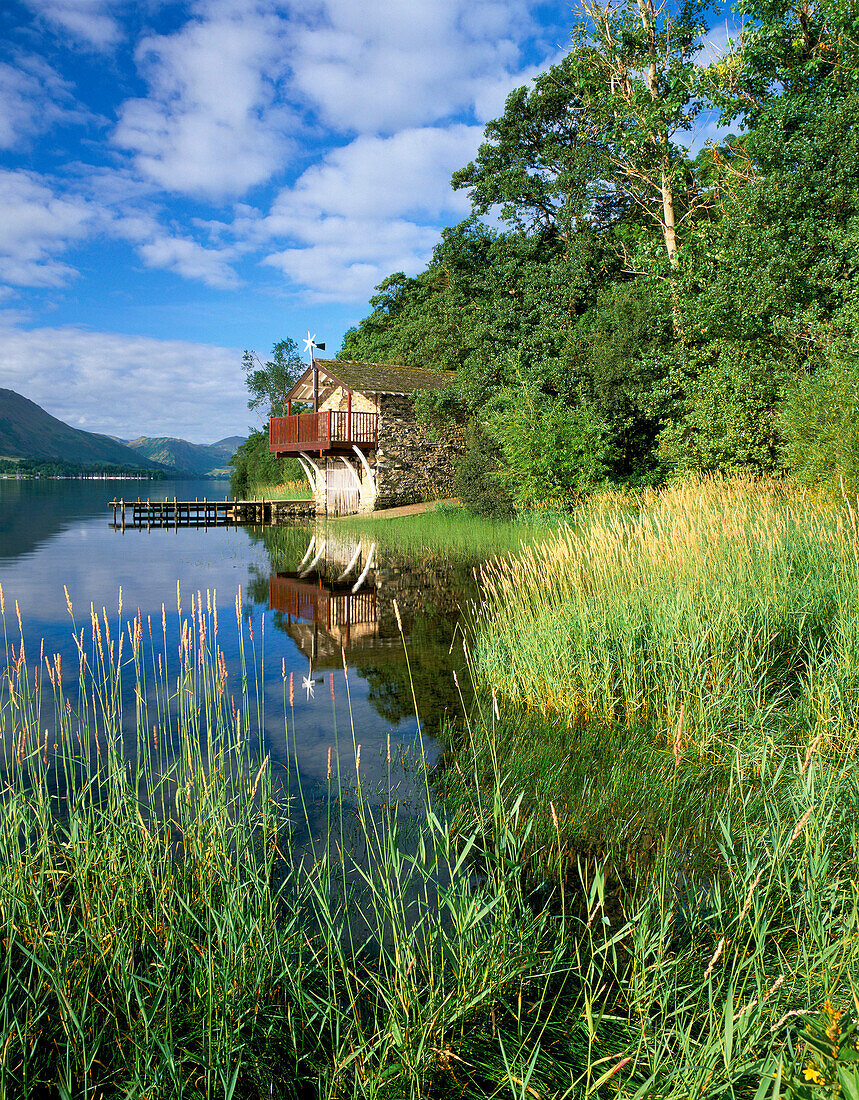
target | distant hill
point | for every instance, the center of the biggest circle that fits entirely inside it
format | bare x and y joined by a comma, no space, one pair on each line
192,458
28,432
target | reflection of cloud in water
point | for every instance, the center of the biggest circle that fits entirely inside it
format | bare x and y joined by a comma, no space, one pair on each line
94,562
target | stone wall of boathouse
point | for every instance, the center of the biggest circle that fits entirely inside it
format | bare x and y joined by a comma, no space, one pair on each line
413,462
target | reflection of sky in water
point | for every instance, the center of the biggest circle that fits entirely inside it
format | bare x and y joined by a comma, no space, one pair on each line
59,533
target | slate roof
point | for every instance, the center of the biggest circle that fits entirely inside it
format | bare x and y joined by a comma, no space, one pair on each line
375,377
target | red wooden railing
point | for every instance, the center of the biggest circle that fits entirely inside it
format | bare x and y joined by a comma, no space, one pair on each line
304,600
323,431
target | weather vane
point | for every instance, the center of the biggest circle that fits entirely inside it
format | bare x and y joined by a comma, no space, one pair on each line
310,344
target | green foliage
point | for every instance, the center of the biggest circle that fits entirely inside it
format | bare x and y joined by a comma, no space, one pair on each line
656,305
819,423
768,288
617,362
551,448
536,165
254,465
787,53
270,381
730,421
827,1062
34,467
479,481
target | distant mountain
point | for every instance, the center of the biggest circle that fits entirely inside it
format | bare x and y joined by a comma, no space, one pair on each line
231,443
192,458
28,432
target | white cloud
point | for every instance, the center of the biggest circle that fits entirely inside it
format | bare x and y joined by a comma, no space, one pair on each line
88,21
382,66
230,91
33,98
492,93
213,124
349,257
127,385
37,225
373,177
191,260
370,208
227,95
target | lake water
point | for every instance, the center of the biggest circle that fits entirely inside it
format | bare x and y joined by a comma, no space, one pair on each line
309,594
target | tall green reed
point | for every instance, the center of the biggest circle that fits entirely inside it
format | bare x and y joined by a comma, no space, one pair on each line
736,601
168,930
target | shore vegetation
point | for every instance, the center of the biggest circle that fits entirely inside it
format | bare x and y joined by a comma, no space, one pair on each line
634,874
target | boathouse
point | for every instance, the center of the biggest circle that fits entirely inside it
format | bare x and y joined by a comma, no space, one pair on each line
361,447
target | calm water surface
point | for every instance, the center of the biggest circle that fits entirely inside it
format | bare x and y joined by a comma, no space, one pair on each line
308,594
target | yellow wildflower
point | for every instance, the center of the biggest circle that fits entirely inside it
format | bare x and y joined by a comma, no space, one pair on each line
811,1073
834,1029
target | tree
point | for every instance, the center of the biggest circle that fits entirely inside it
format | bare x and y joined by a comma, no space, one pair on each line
820,427
634,67
542,163
270,382
593,143
768,286
789,51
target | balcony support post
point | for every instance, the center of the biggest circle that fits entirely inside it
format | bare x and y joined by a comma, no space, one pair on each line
369,498
309,472
352,471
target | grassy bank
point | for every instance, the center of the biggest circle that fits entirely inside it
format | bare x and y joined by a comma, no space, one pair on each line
669,682
737,603
170,929
692,637
450,528
285,490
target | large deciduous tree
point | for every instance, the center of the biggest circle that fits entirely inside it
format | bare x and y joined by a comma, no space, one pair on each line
595,142
269,382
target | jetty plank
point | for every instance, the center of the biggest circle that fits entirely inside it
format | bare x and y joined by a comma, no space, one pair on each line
205,513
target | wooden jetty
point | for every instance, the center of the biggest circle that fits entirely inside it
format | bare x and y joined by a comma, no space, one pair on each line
153,514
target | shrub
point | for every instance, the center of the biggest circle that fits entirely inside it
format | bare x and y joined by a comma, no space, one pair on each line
254,464
820,425
480,482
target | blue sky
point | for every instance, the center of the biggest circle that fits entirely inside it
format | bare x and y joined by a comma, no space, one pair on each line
181,181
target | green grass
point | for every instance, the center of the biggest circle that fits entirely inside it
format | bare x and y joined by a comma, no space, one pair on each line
169,929
288,490
448,528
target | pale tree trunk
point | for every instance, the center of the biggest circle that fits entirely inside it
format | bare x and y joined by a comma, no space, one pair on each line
669,231
668,221
621,88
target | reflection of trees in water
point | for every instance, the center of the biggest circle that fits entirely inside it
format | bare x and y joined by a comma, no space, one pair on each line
430,587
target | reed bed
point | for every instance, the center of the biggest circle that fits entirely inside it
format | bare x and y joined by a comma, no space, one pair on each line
734,604
169,927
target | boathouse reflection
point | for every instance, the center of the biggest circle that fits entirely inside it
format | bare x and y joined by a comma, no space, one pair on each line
347,597
331,602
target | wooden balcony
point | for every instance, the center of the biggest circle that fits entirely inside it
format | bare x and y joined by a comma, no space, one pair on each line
324,432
